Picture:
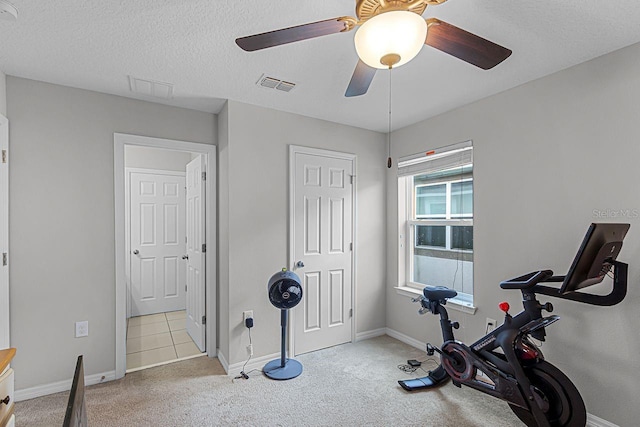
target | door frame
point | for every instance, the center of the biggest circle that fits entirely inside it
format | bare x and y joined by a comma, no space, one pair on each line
296,149
209,152
127,211
4,236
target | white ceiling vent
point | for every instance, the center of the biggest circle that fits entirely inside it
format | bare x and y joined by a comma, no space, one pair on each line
151,88
285,86
8,12
273,83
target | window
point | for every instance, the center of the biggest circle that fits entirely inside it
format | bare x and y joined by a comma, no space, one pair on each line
436,220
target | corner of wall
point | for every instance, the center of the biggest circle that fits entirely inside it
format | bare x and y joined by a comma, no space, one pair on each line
3,94
223,233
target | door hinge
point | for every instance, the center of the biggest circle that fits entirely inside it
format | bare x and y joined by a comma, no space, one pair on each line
351,312
351,246
4,259
185,288
204,320
352,177
204,176
4,156
204,247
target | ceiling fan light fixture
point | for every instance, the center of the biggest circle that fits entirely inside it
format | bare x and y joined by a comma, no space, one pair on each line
396,35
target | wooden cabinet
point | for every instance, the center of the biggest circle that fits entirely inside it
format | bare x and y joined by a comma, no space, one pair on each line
7,419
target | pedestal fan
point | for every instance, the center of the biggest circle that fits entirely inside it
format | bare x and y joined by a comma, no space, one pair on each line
285,292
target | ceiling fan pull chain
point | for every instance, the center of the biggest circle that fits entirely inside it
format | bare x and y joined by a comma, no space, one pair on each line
389,161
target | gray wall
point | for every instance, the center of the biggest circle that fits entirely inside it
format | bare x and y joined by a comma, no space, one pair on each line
62,219
3,94
550,157
156,158
256,161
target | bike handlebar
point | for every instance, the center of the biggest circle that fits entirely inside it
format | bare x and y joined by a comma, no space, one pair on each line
527,281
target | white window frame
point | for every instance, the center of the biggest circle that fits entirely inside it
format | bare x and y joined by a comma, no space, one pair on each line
449,220
408,220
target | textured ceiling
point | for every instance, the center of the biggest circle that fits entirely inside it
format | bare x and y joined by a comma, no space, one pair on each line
96,44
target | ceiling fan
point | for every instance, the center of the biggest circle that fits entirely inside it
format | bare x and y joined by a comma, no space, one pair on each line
391,33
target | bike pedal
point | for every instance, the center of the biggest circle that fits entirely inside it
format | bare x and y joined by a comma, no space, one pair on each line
430,350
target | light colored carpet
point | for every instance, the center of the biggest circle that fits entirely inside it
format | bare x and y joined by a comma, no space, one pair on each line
347,385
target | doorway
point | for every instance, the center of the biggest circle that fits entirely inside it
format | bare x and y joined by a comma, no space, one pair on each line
322,212
165,274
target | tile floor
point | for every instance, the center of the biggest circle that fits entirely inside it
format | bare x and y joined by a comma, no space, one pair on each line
158,338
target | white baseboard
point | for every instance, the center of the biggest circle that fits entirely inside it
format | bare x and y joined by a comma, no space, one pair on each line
361,336
254,363
593,421
406,339
43,390
223,361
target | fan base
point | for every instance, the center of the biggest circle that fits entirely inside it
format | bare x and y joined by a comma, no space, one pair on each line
292,368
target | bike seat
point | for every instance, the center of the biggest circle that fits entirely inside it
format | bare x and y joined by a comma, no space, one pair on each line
438,293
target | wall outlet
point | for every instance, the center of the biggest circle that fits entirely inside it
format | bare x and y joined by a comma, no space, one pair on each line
247,315
82,329
490,324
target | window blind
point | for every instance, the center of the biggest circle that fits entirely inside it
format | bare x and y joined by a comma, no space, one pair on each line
444,158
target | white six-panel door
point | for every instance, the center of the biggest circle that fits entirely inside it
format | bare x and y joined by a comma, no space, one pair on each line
157,243
196,251
322,233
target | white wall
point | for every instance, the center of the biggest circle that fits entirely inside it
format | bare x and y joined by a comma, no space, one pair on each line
256,161
546,155
62,219
3,94
156,158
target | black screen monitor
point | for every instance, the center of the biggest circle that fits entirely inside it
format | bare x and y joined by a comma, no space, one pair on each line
600,246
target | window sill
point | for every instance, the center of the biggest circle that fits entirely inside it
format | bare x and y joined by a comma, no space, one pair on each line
453,304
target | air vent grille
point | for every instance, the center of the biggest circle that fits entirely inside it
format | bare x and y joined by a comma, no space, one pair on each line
269,82
285,86
273,83
151,88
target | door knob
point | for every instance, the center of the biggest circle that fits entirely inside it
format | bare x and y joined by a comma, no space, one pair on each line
136,252
299,264
185,256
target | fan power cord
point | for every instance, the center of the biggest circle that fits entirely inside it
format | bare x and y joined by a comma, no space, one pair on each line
243,374
413,365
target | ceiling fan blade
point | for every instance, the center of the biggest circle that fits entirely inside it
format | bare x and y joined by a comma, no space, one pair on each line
293,34
464,45
361,80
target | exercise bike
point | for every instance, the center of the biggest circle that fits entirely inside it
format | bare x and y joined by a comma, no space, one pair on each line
513,367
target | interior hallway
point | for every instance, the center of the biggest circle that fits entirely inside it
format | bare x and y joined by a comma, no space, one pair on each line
158,339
